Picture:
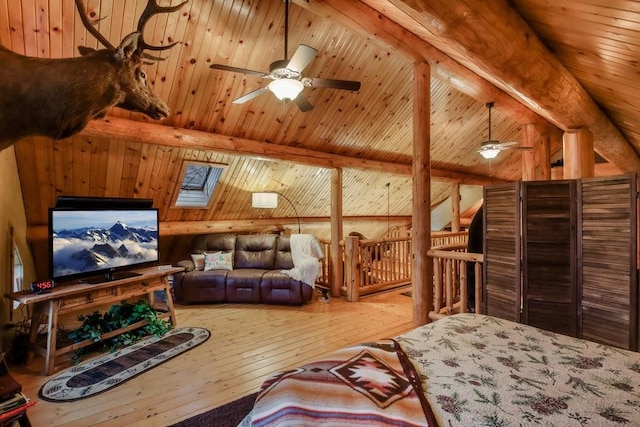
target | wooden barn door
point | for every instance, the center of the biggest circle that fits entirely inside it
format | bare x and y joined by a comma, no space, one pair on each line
502,251
608,248
549,270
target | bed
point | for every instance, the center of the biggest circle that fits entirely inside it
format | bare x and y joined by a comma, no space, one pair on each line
463,370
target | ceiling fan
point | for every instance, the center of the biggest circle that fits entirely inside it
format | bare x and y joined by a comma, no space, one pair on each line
286,75
490,148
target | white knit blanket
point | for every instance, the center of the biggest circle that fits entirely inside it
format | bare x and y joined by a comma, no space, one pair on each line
306,252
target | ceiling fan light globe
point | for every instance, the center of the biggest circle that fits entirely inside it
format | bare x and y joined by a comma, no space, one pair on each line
286,89
489,153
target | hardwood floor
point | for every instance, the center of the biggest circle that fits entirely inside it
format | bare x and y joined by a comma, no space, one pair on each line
247,343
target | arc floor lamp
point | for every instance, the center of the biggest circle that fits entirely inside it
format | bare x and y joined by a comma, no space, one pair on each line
269,200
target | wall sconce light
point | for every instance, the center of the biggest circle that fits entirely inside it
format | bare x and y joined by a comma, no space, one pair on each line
269,200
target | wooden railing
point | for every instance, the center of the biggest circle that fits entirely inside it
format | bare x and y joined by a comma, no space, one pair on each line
440,239
372,266
324,278
450,280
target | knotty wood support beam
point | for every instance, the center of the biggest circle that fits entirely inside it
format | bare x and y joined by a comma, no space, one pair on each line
528,156
156,134
455,208
577,152
422,267
337,268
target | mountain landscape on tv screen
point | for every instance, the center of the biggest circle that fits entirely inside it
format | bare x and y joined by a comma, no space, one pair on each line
90,249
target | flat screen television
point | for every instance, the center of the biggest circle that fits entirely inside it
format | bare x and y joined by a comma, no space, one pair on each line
97,244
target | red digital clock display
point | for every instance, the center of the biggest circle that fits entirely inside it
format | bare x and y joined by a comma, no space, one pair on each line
40,286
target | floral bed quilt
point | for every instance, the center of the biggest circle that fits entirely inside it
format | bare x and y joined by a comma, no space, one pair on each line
482,371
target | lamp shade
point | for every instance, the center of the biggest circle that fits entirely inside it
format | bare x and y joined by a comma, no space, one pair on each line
489,153
264,200
286,88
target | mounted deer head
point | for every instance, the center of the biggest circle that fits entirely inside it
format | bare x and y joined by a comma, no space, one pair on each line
58,97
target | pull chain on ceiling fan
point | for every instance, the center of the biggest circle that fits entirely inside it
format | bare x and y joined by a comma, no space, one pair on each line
286,75
490,148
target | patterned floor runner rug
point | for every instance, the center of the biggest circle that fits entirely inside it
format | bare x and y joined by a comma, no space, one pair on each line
105,372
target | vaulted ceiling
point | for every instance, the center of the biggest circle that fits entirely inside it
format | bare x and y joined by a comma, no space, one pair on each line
559,65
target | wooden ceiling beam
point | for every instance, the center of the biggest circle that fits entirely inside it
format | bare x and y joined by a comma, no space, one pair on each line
485,50
379,29
157,134
493,41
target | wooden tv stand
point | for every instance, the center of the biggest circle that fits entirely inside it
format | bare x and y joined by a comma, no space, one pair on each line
75,296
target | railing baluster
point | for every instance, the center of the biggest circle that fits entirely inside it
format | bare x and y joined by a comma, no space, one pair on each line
437,284
449,285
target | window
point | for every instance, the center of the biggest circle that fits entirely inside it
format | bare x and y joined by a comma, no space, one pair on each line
198,184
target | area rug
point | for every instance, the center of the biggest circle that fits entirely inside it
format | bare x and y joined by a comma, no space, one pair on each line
105,372
229,415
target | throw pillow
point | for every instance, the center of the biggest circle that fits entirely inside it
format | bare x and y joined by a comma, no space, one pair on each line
218,261
198,261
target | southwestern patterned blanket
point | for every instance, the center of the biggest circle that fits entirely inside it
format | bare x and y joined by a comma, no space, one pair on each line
474,370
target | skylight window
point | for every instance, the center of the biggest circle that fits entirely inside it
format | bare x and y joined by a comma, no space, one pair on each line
198,184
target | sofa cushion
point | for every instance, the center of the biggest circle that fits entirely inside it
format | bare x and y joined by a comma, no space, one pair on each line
204,286
256,251
283,254
278,288
214,242
243,285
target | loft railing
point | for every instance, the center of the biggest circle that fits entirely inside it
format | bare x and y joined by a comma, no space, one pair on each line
372,266
450,280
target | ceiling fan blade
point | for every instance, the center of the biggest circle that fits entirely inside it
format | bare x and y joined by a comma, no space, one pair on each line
303,103
508,144
237,70
332,83
301,58
249,96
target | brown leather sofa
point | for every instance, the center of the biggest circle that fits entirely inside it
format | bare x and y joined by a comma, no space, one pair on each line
256,275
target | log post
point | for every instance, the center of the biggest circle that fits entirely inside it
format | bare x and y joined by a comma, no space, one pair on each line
455,208
544,153
422,267
529,156
337,265
578,154
353,268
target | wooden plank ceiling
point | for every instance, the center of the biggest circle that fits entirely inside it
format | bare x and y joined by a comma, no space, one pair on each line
599,49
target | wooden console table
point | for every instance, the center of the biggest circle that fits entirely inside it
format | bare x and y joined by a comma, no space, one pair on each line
77,296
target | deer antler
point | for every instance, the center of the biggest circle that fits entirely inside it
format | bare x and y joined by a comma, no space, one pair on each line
90,25
150,10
